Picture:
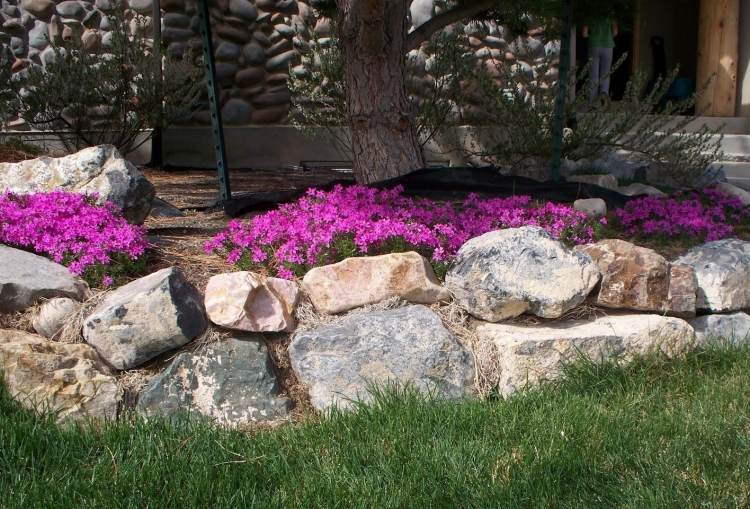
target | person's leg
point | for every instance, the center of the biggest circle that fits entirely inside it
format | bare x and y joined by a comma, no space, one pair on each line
605,67
594,74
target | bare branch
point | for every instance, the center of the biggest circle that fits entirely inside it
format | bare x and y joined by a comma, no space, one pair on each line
425,30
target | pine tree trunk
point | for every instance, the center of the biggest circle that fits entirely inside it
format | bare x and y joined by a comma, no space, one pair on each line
384,137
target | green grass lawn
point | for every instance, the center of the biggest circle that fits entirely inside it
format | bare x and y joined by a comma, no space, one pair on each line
658,434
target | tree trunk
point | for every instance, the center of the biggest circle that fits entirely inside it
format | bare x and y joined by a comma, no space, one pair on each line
384,137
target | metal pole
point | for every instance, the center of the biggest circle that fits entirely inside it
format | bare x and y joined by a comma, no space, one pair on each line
558,121
156,139
217,129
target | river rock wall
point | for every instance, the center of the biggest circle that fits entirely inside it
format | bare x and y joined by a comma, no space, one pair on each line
257,43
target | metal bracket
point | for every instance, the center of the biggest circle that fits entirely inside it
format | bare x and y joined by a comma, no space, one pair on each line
217,128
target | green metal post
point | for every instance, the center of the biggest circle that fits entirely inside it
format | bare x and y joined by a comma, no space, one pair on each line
217,128
558,121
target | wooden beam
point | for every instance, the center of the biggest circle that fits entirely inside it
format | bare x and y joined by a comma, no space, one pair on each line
718,52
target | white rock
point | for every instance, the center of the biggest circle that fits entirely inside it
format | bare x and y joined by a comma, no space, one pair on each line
722,270
733,327
593,207
250,302
421,12
527,355
53,314
100,170
505,273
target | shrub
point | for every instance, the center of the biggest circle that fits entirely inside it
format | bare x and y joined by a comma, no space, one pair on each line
93,241
709,215
327,226
499,112
87,97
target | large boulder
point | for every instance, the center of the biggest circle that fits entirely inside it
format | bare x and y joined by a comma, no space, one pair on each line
722,271
250,302
53,314
505,273
100,170
407,345
69,380
145,318
231,382
638,278
527,355
734,327
359,281
25,278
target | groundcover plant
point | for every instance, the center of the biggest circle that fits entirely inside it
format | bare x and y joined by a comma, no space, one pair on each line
93,241
327,226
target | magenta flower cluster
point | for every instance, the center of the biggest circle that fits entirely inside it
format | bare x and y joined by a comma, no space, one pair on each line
709,215
311,230
69,228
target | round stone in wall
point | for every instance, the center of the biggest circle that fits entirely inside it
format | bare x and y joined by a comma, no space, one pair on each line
236,112
41,9
243,9
142,6
71,9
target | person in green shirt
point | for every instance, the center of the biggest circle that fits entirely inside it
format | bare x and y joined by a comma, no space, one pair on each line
601,35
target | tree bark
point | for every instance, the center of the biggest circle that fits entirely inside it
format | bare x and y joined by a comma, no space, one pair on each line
384,137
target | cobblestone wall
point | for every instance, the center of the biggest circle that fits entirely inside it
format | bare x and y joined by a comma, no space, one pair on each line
256,43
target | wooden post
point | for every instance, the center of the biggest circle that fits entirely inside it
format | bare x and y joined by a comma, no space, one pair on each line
718,51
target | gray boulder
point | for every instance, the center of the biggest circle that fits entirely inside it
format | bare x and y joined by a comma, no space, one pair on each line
231,382
408,345
100,170
722,270
733,327
146,318
25,278
505,273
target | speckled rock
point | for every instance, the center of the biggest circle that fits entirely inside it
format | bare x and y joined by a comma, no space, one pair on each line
231,382
505,273
722,270
100,170
145,318
338,362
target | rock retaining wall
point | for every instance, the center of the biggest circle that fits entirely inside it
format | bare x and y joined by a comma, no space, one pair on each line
257,43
